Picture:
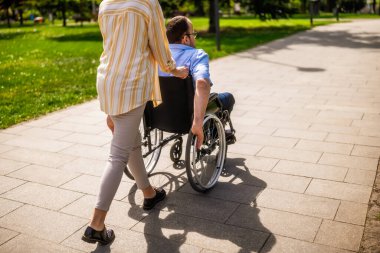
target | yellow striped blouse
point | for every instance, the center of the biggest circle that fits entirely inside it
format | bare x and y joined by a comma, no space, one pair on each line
134,41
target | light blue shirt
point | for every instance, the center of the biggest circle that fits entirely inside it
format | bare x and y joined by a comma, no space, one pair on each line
195,59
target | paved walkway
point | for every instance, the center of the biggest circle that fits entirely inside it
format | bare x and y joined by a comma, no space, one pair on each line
298,179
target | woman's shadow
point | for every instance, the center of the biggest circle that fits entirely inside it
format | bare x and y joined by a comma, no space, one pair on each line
188,218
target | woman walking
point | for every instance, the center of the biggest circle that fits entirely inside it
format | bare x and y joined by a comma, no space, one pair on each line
134,42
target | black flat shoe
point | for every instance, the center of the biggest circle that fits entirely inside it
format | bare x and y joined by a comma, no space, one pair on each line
151,202
104,237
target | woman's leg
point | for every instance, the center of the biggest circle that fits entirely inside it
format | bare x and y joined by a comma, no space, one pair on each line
137,168
123,141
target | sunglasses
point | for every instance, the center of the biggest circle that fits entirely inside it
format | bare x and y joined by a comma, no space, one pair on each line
194,34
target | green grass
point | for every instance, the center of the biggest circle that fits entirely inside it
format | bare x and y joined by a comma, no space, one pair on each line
46,68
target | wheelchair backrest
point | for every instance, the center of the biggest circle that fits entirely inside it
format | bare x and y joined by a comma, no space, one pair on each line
175,113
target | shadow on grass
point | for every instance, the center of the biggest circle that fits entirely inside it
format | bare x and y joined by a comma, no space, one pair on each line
14,35
87,36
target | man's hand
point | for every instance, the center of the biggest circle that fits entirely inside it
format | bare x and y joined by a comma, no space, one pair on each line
197,130
181,72
110,123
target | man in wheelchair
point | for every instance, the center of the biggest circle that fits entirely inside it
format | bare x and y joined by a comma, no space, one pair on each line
181,36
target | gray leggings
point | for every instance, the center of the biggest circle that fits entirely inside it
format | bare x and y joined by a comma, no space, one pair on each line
125,149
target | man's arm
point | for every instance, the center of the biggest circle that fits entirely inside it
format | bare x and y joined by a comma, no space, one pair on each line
202,93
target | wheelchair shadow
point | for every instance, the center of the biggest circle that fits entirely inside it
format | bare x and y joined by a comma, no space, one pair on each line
177,223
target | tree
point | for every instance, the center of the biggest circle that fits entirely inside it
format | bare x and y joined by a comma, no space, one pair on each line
62,7
5,5
199,8
211,13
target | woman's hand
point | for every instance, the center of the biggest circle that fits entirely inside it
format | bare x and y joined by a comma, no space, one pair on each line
181,72
110,123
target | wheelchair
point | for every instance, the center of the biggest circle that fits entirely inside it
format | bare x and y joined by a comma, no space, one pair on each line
174,116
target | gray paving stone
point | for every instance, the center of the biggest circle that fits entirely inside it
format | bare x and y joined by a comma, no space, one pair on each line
199,206
354,139
6,137
264,140
280,244
340,235
246,129
7,166
337,190
290,154
43,175
90,185
38,143
354,162
328,121
277,222
244,149
311,170
202,233
42,196
7,206
20,221
301,134
298,203
28,244
128,241
6,235
335,129
350,212
121,214
245,162
84,166
41,122
322,146
365,151
78,128
42,132
78,118
7,183
5,148
86,139
363,177
273,180
285,124
239,193
87,151
43,158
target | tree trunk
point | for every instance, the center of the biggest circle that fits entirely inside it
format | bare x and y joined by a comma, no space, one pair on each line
21,12
199,10
8,17
63,9
374,6
211,13
303,6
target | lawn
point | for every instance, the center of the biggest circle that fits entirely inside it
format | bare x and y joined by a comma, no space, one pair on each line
46,68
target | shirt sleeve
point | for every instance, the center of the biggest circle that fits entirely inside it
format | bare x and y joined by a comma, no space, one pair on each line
200,66
158,41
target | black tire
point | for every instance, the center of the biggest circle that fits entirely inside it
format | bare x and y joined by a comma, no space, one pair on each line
151,160
203,167
176,151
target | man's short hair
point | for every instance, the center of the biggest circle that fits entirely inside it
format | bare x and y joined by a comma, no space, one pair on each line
175,28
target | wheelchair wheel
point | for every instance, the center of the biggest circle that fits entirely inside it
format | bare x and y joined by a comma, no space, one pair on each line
176,151
203,167
151,160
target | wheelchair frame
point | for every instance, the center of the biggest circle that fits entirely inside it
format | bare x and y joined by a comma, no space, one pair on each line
165,118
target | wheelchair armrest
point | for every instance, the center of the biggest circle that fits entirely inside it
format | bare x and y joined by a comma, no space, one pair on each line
214,104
